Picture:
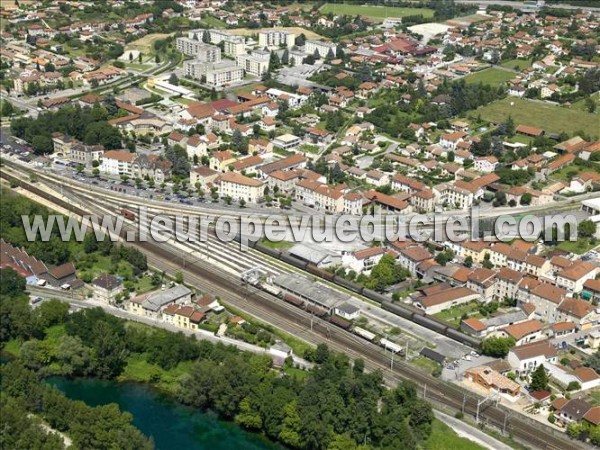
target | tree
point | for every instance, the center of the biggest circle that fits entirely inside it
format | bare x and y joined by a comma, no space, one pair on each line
526,199
238,143
497,347
539,379
586,229
174,79
469,261
179,277
242,203
140,55
42,144
590,105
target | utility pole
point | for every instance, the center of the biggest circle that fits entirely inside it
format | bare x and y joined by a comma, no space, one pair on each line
506,417
406,351
464,402
424,392
392,362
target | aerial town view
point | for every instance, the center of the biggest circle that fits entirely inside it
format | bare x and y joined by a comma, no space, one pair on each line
300,224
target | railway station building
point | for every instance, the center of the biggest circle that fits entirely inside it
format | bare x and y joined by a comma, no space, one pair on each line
316,294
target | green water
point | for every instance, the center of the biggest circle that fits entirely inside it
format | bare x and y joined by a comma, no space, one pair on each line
171,425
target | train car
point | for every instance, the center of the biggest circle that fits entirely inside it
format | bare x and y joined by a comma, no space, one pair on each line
401,311
292,299
285,257
341,322
128,214
392,346
464,338
350,285
311,268
365,334
319,312
380,298
275,253
430,323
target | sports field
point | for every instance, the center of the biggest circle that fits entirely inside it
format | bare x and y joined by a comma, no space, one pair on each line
374,12
492,76
552,119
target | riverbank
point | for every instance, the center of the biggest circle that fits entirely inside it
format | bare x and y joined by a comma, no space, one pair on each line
171,426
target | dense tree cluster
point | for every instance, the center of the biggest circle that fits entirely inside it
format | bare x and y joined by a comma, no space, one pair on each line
87,124
338,406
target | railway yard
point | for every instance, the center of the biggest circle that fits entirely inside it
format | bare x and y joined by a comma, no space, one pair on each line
217,267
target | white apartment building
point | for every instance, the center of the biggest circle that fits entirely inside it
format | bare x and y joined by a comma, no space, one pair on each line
255,63
117,162
322,47
276,38
200,50
217,74
232,45
238,187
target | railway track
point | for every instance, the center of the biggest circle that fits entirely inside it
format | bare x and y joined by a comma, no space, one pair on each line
297,322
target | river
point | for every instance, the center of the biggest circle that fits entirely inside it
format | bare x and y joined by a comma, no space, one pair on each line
171,425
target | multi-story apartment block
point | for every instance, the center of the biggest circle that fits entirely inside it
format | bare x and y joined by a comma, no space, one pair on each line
200,50
276,38
256,63
217,74
324,48
240,187
320,196
117,162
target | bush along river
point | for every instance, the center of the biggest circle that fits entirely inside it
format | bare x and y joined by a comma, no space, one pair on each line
171,425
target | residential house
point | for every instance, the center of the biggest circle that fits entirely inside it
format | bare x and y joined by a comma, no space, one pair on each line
526,358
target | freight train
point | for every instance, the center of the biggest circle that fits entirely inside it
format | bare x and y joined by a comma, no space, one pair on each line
405,311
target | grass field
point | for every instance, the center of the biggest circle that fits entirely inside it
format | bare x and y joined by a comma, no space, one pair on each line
145,44
443,437
552,119
296,30
492,76
514,63
453,315
581,106
375,13
579,247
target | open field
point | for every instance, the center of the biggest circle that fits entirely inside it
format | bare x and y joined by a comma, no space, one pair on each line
492,76
373,12
514,63
443,437
581,106
296,30
145,44
551,118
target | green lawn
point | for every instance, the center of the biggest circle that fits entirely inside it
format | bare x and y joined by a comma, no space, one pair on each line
566,174
551,118
277,245
138,369
454,314
443,437
212,22
426,364
518,64
581,106
492,76
373,12
578,247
